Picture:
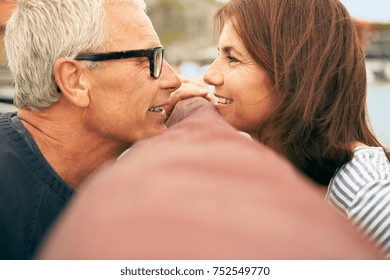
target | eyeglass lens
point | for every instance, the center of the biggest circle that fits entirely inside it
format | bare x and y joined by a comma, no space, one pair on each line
158,62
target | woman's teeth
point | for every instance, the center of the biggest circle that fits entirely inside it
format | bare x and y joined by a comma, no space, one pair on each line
156,109
225,101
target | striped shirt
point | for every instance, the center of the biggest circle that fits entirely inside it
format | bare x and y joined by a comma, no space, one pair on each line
361,190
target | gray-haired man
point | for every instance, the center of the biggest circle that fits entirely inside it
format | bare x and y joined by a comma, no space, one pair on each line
90,80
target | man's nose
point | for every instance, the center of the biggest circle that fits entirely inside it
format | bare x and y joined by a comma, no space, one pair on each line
169,78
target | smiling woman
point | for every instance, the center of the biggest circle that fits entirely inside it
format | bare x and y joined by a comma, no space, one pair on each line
242,87
292,74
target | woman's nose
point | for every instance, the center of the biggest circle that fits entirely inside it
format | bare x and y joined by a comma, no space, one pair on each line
213,76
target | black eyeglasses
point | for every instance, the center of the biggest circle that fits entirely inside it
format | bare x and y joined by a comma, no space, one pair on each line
155,55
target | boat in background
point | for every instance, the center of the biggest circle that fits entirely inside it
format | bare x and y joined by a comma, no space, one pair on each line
375,38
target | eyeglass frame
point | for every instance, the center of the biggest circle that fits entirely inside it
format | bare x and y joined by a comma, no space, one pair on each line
149,53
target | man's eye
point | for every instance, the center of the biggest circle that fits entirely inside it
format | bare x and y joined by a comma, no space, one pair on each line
232,58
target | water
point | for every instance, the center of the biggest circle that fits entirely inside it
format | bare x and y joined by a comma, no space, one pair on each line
378,104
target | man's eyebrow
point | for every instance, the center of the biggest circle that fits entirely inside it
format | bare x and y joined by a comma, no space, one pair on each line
229,49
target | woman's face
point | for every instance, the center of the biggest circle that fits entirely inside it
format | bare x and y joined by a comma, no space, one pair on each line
241,86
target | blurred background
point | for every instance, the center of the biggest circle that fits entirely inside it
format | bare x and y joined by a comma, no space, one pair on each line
185,30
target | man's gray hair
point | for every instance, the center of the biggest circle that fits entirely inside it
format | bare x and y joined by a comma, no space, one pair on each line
41,31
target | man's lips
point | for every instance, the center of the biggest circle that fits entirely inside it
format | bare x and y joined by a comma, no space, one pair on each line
158,108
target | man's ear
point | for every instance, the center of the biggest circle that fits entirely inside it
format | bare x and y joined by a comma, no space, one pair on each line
72,80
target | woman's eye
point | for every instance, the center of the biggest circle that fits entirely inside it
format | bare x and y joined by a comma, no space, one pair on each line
232,58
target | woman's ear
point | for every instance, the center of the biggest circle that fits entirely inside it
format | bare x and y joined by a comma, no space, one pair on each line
72,81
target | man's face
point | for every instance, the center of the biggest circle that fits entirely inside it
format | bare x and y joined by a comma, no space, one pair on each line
126,102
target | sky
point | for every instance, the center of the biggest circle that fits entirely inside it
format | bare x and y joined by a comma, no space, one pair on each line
371,10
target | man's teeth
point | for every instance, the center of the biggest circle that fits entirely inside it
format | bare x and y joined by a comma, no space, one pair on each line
223,100
156,109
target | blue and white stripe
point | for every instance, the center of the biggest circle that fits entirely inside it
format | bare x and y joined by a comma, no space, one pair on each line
361,190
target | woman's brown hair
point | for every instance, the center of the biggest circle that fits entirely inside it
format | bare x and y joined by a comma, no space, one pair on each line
316,66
